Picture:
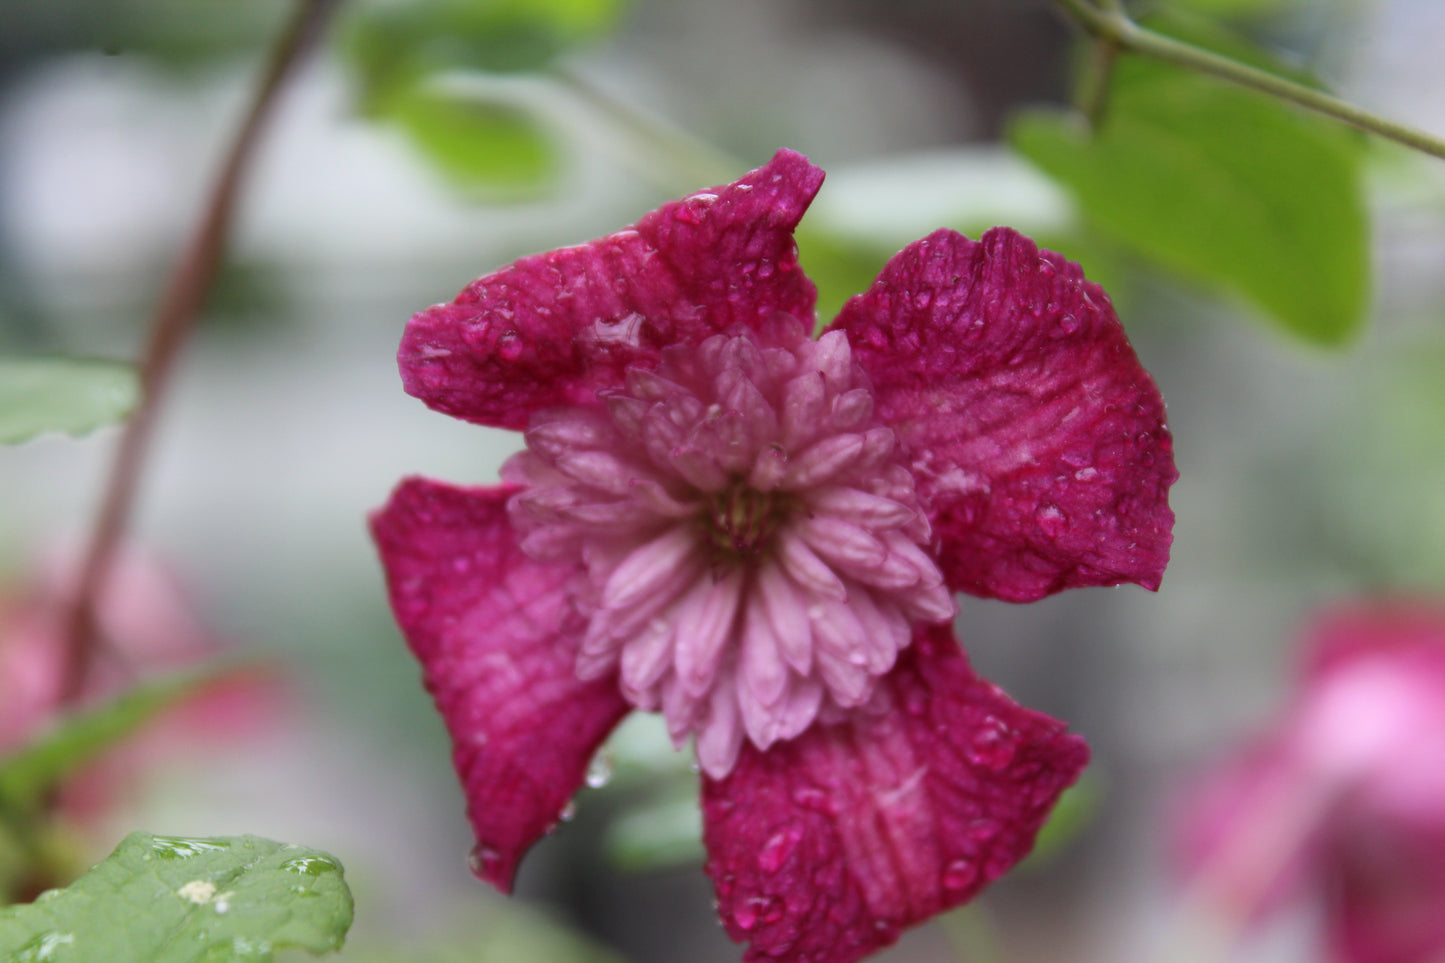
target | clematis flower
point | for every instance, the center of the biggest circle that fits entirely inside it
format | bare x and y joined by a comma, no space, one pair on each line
758,534
1343,798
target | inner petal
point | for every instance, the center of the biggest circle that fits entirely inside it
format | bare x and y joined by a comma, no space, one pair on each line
753,547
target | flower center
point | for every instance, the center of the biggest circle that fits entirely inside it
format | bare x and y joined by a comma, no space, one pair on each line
741,523
752,549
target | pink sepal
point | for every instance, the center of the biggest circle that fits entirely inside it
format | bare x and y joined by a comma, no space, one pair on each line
555,328
1038,441
497,639
824,848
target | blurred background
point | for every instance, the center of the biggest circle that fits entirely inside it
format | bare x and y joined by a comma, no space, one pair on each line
1308,472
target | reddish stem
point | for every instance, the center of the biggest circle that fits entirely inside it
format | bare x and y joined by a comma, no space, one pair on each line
176,315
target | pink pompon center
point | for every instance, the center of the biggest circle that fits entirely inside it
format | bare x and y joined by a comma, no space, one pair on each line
754,549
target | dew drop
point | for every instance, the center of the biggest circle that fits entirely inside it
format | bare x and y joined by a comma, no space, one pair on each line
1086,474
42,947
1069,324
959,874
599,771
777,849
484,860
569,811
1052,520
990,746
510,346
313,865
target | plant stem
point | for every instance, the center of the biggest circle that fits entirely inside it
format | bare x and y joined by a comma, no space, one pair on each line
1110,23
176,315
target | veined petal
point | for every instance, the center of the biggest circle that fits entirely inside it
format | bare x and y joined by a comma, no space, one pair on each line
705,623
764,673
497,639
825,847
1038,441
806,568
787,613
650,567
555,328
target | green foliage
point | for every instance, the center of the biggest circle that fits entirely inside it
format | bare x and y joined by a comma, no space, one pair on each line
28,775
660,833
70,395
182,35
171,899
489,148
1072,814
839,266
1235,8
396,45
510,934
1224,186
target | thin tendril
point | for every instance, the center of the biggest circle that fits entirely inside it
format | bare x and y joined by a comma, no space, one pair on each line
1109,23
175,317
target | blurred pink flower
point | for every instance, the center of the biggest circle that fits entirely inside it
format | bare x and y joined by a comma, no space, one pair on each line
758,534
145,627
1344,797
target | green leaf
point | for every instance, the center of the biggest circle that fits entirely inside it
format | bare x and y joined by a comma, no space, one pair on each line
172,899
1235,9
658,834
1072,814
490,148
70,395
1223,186
395,45
28,775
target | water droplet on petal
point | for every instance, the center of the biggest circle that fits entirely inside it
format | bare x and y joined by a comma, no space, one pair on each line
1052,520
510,346
959,874
991,747
599,771
777,849
569,811
484,860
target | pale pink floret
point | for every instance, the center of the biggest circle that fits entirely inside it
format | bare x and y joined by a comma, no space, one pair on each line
750,536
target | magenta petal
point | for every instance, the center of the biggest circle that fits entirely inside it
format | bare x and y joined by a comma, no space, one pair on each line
497,639
1386,888
823,848
556,327
1038,440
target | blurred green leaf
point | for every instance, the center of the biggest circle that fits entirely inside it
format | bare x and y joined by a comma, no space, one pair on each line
508,934
70,395
1072,814
840,267
1224,186
1234,8
171,899
396,45
658,834
30,773
179,34
493,149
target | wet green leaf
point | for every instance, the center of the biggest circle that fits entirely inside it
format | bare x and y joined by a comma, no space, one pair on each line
1224,186
69,395
172,899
